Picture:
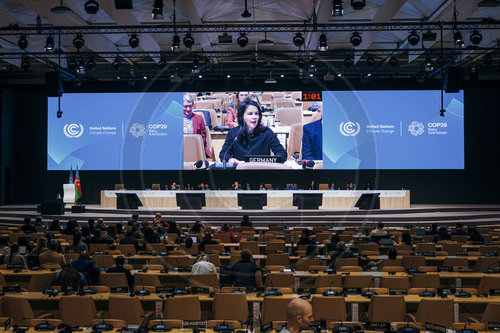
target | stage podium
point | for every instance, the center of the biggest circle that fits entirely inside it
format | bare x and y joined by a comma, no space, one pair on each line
69,194
252,200
307,200
127,201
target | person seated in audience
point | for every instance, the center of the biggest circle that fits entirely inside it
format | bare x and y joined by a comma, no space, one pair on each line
350,186
225,229
442,235
150,236
248,187
379,231
100,239
28,228
311,251
433,230
134,220
333,186
232,110
207,239
475,235
305,238
291,187
113,233
243,271
406,238
194,123
312,186
86,235
51,256
71,227
77,246
119,268
459,231
41,246
87,267
299,316
197,228
235,186
373,265
69,279
334,240
130,239
4,246
55,226
24,245
368,186
172,228
246,222
312,139
91,224
341,252
262,187
203,266
101,225
38,222
14,258
157,220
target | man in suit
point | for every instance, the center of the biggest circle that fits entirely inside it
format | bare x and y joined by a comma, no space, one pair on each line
312,139
51,256
194,123
87,267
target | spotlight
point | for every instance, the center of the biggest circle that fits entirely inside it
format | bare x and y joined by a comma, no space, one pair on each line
133,41
162,63
91,7
61,10
338,9
59,114
176,42
78,41
196,63
145,77
428,64
298,40
116,63
80,69
188,41
476,37
157,13
393,61
242,40
487,60
370,61
254,62
300,62
282,76
72,64
228,76
49,43
348,62
200,76
23,42
458,39
323,45
312,64
356,39
358,4
90,65
413,38
25,63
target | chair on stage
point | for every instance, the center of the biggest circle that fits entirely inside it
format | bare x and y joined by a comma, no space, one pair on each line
119,187
155,187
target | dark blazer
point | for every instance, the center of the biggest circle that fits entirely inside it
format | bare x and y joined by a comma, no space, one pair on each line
257,143
312,141
199,128
86,267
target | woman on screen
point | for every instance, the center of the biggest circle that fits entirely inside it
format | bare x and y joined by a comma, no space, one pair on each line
232,111
250,137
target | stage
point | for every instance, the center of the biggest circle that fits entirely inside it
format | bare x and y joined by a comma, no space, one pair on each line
414,215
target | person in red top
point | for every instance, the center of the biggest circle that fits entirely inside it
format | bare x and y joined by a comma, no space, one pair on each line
194,123
225,229
232,111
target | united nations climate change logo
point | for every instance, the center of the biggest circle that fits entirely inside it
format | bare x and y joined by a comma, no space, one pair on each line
416,128
349,128
137,130
73,130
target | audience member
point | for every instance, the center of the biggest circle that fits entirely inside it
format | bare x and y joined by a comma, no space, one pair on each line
41,246
334,240
55,226
248,187
24,245
442,235
368,186
28,228
311,251
312,186
341,252
262,187
379,231
458,230
87,267
130,239
406,238
4,246
71,227
246,222
243,271
101,225
475,235
333,186
305,238
14,258
91,224
51,256
98,238
236,186
134,220
433,230
77,246
350,186
299,316
197,228
291,187
69,279
207,239
203,266
119,268
224,229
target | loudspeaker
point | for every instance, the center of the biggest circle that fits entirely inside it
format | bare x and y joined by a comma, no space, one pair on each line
123,4
78,209
54,84
453,80
52,207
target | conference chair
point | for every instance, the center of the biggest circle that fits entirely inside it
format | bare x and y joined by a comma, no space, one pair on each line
304,264
214,248
329,307
274,308
487,283
253,246
286,280
333,280
278,259
205,280
98,248
103,260
434,311
488,249
128,249
389,262
156,247
403,249
155,187
77,311
339,262
413,262
275,246
38,282
113,280
392,269
228,306
223,237
183,307
425,281
144,279
452,248
484,263
193,148
387,309
127,308
358,281
425,247
19,309
456,262
459,239
288,116
369,249
294,146
179,261
395,282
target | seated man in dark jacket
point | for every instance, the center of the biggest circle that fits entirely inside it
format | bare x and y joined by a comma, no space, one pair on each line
130,239
120,262
341,252
87,267
244,270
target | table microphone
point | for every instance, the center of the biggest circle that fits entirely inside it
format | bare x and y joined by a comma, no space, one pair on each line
240,131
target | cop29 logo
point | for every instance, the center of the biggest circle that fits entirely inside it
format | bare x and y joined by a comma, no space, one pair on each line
349,128
137,130
73,130
416,128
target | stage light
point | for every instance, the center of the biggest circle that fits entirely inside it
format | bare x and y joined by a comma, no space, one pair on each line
300,62
90,65
338,8
358,4
145,77
116,64
91,7
356,39
59,114
282,76
80,69
298,39
393,61
78,41
200,76
228,76
312,64
348,62
428,64
72,64
488,61
133,41
49,43
370,61
413,38
77,81
254,62
311,75
246,13
162,63
22,42
188,40
323,44
196,63
61,9
476,37
176,42
242,40
458,39
339,74
157,13
25,63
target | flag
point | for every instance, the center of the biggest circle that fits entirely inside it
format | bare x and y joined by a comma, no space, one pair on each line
78,186
71,181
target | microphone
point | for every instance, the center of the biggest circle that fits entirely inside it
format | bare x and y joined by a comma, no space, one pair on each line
369,293
330,292
147,267
426,293
240,131
412,270
490,270
307,164
201,165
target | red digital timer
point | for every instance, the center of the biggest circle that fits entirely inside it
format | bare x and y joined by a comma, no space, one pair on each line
311,96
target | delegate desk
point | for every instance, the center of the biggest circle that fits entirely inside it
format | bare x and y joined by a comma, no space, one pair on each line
275,199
